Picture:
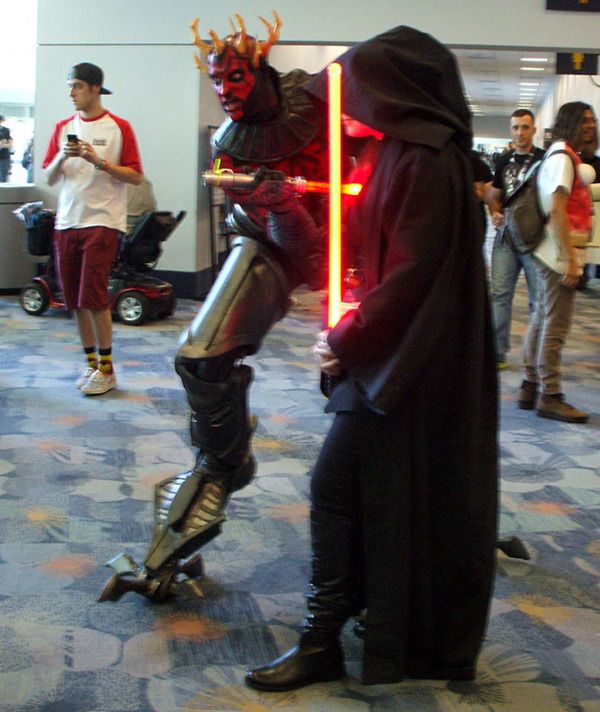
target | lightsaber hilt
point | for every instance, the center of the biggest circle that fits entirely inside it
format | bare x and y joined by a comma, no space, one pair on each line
246,181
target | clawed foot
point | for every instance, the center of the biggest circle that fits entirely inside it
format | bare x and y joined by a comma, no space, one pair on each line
181,578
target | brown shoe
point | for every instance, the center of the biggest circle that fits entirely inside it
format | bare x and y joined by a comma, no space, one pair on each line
554,406
527,395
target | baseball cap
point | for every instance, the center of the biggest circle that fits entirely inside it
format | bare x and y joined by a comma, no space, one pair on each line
90,73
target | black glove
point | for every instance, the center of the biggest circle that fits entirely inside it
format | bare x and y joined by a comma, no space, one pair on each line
296,234
269,189
288,225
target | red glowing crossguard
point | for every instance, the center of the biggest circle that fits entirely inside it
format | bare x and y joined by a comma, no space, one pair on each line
334,74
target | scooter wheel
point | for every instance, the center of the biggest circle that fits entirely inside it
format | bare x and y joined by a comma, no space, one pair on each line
132,308
34,299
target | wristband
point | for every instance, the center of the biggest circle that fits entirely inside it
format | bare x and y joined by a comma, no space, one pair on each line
100,166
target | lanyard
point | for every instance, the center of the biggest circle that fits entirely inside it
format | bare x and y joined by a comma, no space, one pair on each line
517,171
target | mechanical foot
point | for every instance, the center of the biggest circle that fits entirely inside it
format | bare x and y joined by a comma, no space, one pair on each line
181,578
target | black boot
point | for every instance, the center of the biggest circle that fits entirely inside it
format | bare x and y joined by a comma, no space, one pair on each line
220,425
318,657
312,660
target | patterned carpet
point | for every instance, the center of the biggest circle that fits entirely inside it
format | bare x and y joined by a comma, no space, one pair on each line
76,479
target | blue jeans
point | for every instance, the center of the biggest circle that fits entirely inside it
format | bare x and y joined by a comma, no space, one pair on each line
506,267
4,169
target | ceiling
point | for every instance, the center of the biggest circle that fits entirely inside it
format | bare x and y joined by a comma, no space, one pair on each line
491,76
498,81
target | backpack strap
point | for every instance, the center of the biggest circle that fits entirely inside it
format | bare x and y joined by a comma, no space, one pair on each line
524,183
574,159
533,168
569,151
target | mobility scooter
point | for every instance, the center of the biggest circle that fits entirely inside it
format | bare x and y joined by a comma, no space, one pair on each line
136,296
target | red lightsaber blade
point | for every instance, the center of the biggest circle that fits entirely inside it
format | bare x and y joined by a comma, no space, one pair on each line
334,304
334,73
315,186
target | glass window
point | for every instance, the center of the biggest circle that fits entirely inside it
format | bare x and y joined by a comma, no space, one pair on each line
17,87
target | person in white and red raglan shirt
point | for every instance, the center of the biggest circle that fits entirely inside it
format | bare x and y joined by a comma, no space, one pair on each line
94,154
564,195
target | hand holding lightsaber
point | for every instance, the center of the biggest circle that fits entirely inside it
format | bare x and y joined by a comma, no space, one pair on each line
328,362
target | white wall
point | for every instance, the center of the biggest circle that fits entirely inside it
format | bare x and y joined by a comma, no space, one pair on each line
492,127
144,47
508,23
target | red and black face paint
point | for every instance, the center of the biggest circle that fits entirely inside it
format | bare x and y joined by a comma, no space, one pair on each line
233,79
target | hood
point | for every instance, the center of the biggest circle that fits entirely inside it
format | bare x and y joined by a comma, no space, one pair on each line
405,84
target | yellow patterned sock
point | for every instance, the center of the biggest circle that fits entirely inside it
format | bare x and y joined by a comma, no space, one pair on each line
92,356
105,365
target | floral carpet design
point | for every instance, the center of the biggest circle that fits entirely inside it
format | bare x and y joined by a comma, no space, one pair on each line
76,487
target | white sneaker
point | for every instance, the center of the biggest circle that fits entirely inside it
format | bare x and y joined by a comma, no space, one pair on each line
85,377
99,383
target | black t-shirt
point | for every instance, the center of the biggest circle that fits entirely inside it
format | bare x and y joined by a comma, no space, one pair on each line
511,168
4,136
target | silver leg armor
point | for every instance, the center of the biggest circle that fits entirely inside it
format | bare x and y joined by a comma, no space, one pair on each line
194,509
249,296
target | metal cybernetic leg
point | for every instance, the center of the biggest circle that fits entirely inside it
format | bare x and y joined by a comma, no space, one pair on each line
176,578
221,430
189,508
250,294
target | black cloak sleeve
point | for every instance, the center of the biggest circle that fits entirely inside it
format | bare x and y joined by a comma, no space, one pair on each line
422,250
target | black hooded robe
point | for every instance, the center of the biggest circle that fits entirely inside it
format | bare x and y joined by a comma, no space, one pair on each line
420,392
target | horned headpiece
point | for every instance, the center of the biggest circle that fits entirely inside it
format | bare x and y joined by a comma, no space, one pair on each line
242,43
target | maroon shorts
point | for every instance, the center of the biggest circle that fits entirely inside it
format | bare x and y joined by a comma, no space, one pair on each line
84,258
